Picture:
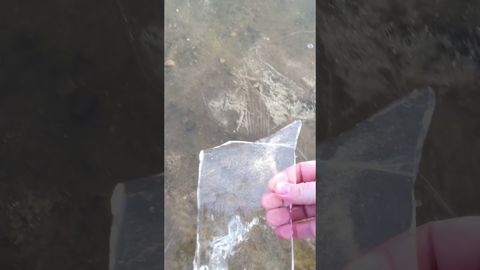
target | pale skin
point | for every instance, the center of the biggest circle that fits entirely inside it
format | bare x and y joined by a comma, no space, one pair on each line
441,245
296,186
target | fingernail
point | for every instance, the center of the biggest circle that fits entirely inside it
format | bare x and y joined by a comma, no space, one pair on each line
280,177
282,188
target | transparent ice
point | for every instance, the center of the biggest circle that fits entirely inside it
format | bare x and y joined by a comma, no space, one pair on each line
231,228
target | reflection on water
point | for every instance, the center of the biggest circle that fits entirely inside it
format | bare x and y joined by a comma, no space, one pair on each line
234,70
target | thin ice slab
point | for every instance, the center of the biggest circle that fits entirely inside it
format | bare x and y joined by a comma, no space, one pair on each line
365,182
231,229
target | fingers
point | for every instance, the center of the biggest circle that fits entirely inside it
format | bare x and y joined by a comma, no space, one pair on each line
270,200
302,193
302,212
293,186
278,216
448,244
300,230
301,172
281,216
306,171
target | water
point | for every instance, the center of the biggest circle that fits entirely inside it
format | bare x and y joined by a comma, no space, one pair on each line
233,71
83,78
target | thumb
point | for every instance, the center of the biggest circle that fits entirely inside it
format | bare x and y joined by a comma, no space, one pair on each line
302,193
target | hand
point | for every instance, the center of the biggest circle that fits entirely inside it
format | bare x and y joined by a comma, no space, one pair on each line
294,186
441,245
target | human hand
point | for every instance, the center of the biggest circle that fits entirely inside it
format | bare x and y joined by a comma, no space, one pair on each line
441,245
294,186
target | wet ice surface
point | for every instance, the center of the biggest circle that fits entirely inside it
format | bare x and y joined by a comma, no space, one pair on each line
231,228
233,71
366,179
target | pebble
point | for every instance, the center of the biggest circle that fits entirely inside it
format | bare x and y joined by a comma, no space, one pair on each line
222,60
169,63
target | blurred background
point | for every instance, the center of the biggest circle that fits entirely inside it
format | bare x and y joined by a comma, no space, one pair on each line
78,114
81,93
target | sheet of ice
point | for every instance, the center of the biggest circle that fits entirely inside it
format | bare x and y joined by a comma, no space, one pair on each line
136,241
365,182
231,228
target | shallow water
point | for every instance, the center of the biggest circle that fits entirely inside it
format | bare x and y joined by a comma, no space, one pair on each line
233,71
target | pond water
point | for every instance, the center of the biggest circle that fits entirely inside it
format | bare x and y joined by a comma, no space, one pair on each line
234,70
